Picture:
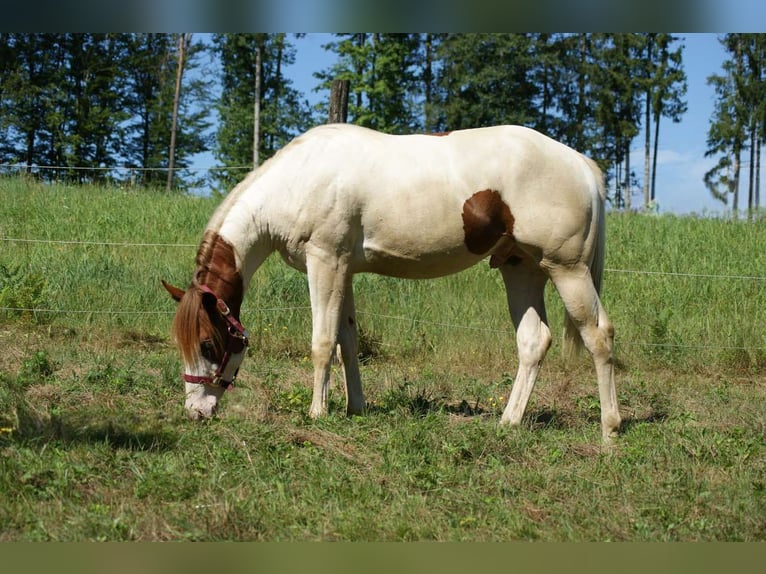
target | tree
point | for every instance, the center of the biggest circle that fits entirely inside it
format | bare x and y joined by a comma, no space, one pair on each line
281,113
485,79
548,74
61,102
86,103
183,42
738,120
664,86
152,62
382,70
426,77
91,108
754,94
578,56
616,92
26,106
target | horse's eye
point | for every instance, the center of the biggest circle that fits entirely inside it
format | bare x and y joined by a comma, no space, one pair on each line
207,348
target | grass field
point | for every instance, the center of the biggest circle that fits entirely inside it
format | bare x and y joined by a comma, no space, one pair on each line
94,445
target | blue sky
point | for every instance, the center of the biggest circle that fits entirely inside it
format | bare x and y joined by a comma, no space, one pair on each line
681,160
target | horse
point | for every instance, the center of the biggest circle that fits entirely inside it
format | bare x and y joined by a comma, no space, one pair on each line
342,199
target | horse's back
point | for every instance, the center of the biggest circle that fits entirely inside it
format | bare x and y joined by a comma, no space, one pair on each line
427,205
424,191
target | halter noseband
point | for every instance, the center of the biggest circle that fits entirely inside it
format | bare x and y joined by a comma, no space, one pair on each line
236,333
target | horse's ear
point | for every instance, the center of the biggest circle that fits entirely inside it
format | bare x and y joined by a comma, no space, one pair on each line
175,292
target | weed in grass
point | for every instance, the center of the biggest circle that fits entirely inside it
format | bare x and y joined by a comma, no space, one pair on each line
22,291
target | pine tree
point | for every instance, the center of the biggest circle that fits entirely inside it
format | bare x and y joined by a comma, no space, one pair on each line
151,61
617,111
89,102
739,119
382,70
754,95
91,106
579,60
426,79
282,113
485,79
664,86
26,108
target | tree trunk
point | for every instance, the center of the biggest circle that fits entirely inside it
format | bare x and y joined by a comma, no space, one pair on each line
618,203
647,149
654,157
626,189
581,87
257,103
758,172
735,183
361,40
751,181
183,38
428,84
280,41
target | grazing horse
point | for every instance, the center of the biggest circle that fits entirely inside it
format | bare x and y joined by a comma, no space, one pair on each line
342,199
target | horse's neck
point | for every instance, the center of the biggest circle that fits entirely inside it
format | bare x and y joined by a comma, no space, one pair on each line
245,229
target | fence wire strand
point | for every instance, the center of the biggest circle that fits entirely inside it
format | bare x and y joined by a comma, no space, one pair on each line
34,167
116,312
191,245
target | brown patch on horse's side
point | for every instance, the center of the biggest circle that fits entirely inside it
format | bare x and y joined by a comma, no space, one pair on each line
486,220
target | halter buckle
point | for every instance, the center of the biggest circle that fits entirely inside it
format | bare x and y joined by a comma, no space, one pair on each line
222,307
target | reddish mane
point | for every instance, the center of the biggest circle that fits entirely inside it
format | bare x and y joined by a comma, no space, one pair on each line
216,268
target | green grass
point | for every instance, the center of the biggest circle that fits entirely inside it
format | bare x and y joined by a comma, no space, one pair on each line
94,445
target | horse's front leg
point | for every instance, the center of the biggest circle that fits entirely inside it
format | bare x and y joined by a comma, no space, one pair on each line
327,286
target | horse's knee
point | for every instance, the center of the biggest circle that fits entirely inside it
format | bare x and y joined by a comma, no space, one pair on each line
322,352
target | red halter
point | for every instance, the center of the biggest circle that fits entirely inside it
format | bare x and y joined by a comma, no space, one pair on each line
236,342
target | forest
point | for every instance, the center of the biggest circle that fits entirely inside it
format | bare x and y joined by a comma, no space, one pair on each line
135,108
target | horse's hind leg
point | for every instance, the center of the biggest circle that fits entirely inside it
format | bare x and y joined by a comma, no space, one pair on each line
524,286
348,339
584,307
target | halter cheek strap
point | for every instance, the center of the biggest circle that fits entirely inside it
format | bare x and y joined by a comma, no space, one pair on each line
236,342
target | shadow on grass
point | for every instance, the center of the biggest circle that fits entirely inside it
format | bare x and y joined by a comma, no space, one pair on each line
70,429
420,405
631,422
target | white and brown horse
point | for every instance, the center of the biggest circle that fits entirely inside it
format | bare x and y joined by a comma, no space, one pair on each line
342,199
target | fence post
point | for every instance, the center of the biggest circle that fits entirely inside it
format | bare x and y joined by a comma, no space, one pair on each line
339,102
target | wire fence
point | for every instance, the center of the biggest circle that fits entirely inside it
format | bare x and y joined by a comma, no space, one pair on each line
194,245
411,320
118,168
198,179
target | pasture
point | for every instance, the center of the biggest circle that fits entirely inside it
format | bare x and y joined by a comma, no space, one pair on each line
94,444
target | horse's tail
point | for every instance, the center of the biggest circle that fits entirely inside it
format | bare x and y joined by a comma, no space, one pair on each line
573,343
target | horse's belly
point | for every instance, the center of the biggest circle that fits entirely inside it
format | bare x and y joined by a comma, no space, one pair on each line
401,261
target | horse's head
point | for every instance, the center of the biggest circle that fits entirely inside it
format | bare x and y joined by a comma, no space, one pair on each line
212,342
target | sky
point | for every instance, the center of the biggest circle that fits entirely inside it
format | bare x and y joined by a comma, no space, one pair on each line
681,162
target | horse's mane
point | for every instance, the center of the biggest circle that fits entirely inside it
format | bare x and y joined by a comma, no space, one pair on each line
187,324
190,319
